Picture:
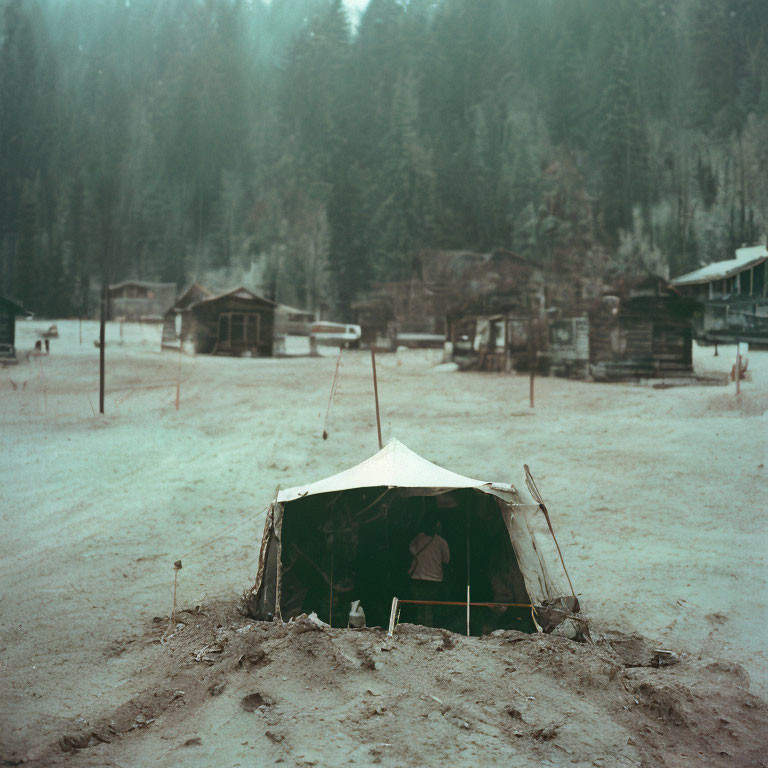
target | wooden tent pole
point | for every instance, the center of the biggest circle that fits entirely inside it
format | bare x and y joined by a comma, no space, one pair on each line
466,518
376,395
330,594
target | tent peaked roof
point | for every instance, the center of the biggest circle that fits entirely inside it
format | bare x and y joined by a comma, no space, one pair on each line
394,466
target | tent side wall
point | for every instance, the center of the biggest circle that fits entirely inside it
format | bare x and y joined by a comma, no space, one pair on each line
541,584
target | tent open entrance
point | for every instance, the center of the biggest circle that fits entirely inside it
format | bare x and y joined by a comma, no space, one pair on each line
354,545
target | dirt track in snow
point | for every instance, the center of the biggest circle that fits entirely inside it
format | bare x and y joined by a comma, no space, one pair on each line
657,496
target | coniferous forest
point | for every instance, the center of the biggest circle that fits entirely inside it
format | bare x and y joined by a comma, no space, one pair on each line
308,153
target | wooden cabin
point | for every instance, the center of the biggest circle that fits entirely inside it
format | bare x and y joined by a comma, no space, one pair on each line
642,332
8,311
233,323
733,298
138,300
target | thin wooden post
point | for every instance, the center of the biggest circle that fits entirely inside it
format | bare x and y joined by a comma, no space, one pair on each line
102,345
178,379
530,387
468,610
738,368
531,359
376,395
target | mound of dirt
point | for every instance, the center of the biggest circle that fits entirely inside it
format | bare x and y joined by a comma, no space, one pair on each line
305,694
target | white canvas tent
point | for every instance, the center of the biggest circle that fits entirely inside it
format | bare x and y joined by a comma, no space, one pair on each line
350,532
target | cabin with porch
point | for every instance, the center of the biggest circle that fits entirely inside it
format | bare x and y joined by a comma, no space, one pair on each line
732,296
237,322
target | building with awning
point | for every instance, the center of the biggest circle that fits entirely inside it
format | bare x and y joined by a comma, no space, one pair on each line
733,294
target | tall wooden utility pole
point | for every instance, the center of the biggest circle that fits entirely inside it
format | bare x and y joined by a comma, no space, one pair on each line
102,327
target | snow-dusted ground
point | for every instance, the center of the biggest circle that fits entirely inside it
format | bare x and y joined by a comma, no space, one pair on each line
658,496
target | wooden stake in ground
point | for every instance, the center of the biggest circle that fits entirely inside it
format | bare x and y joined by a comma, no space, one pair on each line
172,623
531,356
178,379
102,344
376,395
738,368
45,388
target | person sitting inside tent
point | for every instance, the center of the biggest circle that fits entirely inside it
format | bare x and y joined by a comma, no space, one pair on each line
430,553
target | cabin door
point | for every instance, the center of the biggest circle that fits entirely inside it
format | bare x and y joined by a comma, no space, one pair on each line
223,339
253,330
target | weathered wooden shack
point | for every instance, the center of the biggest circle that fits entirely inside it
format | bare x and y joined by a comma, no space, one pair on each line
733,298
495,318
8,312
569,347
498,342
641,332
233,323
139,300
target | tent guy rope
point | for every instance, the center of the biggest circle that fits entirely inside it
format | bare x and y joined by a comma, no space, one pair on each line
334,387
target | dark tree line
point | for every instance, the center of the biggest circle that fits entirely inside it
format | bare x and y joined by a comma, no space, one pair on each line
278,144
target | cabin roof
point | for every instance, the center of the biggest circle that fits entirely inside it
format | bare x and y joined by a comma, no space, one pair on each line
141,284
236,293
745,258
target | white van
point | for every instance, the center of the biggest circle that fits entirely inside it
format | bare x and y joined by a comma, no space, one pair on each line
336,334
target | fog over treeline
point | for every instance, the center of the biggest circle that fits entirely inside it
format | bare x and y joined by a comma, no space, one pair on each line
172,139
